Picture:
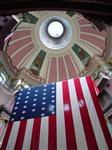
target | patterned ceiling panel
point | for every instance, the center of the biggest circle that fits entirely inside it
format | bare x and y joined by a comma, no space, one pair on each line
20,34
17,57
61,68
90,34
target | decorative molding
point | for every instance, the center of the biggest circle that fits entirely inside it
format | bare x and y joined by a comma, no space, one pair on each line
29,77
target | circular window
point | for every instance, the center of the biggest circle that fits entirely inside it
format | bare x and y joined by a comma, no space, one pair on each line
55,32
55,29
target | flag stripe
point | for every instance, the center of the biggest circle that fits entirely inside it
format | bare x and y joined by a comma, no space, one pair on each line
90,137
93,116
6,137
28,134
61,136
70,132
99,112
20,135
52,143
43,143
13,136
35,134
79,131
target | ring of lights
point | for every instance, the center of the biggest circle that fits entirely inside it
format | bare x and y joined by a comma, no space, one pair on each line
55,32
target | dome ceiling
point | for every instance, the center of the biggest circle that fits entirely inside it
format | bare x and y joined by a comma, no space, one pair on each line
53,55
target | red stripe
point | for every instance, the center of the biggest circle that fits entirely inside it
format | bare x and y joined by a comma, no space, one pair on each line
35,134
20,136
69,127
89,134
99,112
7,134
52,140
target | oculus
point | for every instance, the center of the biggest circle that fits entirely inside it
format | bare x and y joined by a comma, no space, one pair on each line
55,32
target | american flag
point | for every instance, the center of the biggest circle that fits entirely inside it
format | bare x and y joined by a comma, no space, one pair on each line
58,116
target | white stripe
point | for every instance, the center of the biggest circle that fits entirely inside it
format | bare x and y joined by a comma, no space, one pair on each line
86,25
66,68
74,63
43,144
79,130
48,72
23,28
93,115
13,136
28,134
61,137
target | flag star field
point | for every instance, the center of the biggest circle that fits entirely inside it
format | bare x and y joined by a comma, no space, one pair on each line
35,102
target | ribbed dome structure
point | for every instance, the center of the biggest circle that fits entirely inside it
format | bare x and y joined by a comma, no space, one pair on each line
54,55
